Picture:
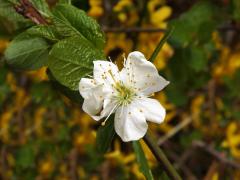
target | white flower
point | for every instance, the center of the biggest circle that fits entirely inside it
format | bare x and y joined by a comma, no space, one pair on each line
124,93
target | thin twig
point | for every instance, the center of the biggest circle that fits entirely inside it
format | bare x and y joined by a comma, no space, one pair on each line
73,164
132,30
184,168
160,156
216,154
175,130
26,9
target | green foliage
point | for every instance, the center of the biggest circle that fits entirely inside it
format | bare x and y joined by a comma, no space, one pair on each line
42,7
194,49
71,59
73,95
39,90
26,52
142,161
7,11
10,21
65,1
71,21
187,139
236,7
197,59
25,156
4,88
47,32
105,136
189,26
160,44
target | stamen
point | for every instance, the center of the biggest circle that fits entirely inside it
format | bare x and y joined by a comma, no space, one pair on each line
114,108
110,59
110,72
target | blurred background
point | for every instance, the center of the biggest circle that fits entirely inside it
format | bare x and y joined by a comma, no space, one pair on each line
44,135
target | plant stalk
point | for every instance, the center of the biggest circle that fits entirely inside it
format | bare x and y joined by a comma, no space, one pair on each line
161,157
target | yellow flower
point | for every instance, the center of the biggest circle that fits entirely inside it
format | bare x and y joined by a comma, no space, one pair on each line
232,140
38,119
83,139
228,63
38,75
136,172
148,43
159,16
46,166
121,5
196,111
96,9
126,12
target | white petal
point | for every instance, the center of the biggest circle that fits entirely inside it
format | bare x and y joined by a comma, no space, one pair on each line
86,86
105,72
129,123
109,107
151,109
142,74
93,95
92,106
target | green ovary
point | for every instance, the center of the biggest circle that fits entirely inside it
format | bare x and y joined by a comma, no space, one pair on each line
125,94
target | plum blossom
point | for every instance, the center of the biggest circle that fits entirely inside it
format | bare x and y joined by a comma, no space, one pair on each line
126,93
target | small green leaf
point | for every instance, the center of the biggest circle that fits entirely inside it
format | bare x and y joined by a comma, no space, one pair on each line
160,44
25,156
73,21
27,53
71,59
105,136
142,161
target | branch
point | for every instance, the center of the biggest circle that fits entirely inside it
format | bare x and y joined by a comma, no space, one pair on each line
132,30
175,130
216,154
26,9
160,156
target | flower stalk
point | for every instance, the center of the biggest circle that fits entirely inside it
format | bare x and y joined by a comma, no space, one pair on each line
161,157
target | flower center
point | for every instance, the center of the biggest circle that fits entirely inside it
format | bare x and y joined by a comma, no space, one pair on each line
125,94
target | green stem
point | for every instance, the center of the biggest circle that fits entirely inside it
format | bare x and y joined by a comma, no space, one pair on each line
161,157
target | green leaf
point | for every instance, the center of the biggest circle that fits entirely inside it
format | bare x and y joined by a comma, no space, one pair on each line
198,59
142,161
73,95
160,44
26,52
72,21
71,59
105,136
7,10
65,1
47,32
42,7
10,20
